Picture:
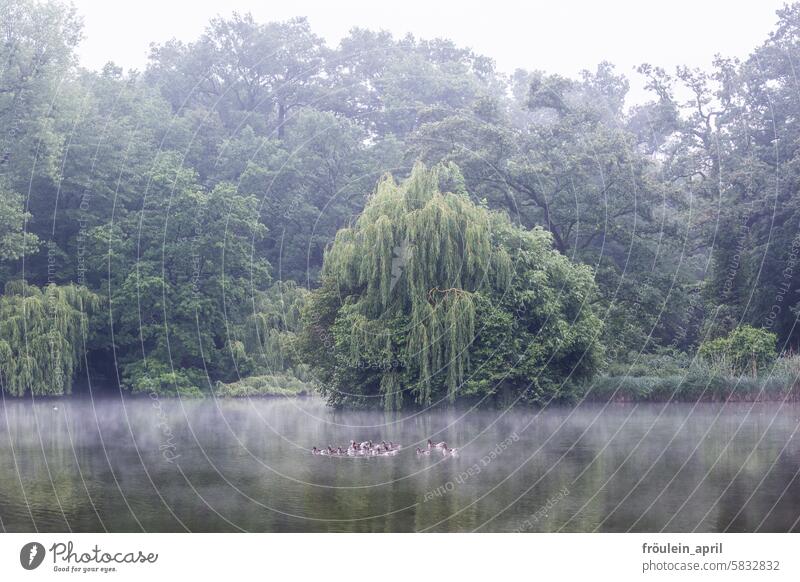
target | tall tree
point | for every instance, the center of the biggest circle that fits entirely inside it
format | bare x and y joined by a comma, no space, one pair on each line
432,297
43,334
249,72
560,156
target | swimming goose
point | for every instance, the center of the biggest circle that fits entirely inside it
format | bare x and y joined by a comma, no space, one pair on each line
432,445
390,446
423,452
448,451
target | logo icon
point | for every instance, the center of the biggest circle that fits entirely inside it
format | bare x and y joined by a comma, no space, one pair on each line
31,555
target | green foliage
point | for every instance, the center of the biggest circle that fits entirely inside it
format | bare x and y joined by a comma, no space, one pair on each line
36,52
266,385
559,155
745,349
43,335
183,274
15,242
183,192
156,378
415,291
701,381
266,340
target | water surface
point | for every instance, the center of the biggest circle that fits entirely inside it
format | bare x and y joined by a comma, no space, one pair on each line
212,465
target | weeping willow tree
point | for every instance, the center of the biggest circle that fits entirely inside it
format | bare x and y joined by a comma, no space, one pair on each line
42,336
412,292
264,344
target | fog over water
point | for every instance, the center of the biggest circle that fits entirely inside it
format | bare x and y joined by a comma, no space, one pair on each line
170,465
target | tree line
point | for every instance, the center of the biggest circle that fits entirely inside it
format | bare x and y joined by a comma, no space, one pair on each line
228,213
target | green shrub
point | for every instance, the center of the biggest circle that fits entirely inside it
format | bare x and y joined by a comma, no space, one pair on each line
266,385
666,362
701,381
155,377
745,350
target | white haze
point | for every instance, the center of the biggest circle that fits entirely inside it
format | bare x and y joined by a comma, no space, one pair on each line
558,37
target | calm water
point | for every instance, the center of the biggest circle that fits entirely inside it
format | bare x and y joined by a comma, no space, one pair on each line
243,465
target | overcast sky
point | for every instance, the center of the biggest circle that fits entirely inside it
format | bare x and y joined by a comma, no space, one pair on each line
558,36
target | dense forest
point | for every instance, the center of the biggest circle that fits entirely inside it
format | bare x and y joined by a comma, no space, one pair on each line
392,221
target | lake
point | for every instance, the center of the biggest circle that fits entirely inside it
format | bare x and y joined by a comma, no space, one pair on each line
137,464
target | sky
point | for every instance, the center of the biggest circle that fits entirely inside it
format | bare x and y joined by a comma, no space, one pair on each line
561,36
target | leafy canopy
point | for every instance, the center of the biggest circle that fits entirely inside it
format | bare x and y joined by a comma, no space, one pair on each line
43,336
428,295
745,349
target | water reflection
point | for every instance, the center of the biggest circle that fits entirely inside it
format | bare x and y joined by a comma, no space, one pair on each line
144,465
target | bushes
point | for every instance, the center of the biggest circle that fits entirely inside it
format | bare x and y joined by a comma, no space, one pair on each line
155,377
267,385
702,381
745,350
667,362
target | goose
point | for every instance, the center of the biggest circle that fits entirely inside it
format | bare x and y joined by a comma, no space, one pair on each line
423,452
315,451
448,451
366,445
432,445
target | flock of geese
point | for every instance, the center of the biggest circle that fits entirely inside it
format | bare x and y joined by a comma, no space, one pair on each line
383,449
